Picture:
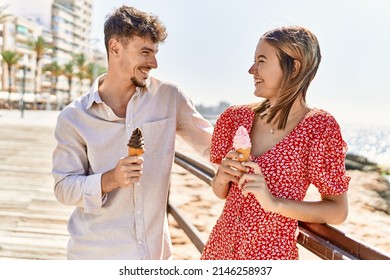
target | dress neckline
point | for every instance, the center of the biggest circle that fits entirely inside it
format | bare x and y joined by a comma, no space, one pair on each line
285,138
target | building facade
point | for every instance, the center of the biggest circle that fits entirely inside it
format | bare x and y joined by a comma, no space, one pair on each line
64,24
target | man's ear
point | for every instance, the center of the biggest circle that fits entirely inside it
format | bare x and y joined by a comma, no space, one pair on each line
113,45
296,68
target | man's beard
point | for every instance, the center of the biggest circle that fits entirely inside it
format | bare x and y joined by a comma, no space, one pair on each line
137,83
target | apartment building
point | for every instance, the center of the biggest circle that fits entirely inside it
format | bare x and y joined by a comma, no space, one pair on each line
65,24
71,26
16,33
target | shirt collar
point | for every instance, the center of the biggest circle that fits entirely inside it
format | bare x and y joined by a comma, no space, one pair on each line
94,92
94,96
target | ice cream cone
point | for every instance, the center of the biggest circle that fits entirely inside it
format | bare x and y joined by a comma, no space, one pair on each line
242,143
136,143
135,151
245,152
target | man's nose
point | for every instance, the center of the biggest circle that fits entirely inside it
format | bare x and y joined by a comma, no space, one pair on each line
153,62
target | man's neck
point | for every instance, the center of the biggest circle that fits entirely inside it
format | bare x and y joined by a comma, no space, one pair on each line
116,94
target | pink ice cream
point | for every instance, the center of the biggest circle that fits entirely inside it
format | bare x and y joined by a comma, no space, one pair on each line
241,139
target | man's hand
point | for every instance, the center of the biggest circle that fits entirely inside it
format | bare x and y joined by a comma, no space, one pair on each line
127,171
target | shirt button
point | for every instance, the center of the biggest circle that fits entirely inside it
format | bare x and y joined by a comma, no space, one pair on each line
128,125
139,241
138,212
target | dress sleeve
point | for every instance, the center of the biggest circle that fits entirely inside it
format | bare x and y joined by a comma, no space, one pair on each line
327,161
222,139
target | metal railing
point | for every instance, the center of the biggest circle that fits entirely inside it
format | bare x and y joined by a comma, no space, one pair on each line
323,240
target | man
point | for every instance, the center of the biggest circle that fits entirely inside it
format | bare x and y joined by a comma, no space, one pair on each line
121,200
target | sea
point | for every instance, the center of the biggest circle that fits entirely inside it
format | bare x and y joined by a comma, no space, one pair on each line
371,142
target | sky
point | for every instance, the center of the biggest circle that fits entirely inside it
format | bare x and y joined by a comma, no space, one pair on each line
211,43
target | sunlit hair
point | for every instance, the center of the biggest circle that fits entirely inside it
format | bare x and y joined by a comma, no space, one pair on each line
291,43
126,22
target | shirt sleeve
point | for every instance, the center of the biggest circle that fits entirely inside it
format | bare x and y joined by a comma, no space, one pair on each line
222,139
193,127
73,185
327,161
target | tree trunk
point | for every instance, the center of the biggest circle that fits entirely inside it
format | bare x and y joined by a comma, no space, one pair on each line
9,85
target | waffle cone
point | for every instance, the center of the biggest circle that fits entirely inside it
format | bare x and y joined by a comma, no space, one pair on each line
135,151
245,152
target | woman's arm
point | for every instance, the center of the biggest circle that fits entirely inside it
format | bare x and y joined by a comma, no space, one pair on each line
332,209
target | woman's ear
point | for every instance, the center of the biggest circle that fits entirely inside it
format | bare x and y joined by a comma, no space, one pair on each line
296,68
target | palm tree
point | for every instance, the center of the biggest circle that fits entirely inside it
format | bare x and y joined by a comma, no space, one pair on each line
69,73
39,46
55,70
93,71
11,58
3,15
80,62
90,75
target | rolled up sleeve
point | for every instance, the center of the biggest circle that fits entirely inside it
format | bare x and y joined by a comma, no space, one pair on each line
192,127
73,185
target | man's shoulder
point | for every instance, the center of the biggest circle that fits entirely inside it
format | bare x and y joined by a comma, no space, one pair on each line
159,84
74,108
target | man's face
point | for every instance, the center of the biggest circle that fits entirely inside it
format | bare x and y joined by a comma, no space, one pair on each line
137,59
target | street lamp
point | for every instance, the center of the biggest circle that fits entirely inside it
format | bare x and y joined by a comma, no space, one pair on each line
24,62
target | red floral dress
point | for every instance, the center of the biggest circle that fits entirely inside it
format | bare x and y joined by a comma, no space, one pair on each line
313,153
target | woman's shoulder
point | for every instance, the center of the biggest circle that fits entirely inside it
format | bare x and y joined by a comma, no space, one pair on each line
320,120
235,116
318,115
239,110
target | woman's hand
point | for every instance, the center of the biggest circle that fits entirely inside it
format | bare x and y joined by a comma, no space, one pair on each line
230,170
256,184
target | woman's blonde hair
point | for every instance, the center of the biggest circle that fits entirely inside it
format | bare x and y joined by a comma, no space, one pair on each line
291,43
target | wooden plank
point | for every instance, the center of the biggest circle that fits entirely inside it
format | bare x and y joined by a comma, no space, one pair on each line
32,223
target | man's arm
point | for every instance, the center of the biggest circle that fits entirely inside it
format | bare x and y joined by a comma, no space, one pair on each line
73,185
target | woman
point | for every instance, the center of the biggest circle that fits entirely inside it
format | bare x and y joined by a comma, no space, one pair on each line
293,146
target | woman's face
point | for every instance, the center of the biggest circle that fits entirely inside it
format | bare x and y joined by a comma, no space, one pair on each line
267,72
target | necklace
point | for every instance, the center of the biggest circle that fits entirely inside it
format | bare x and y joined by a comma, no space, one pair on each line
290,118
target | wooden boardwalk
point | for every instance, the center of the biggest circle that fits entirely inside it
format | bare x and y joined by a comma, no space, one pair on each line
32,222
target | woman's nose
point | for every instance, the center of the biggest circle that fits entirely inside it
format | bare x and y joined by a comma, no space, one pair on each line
252,69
